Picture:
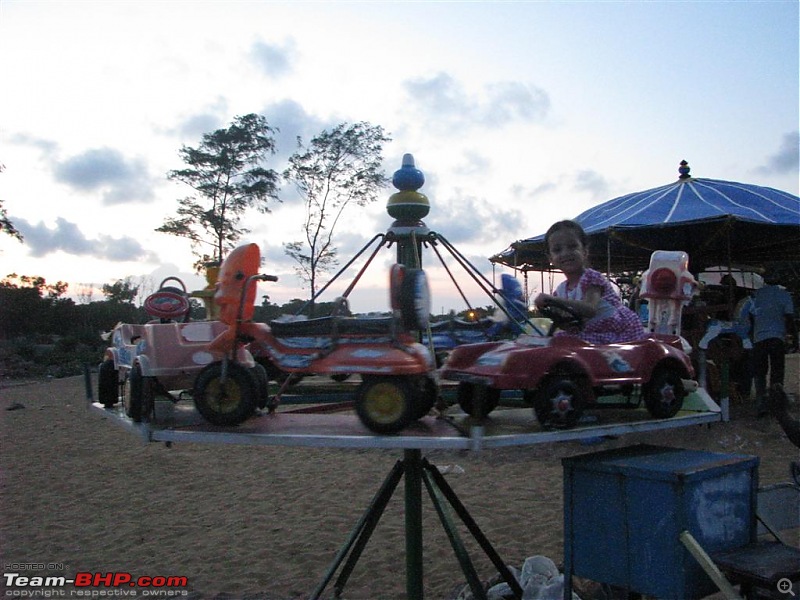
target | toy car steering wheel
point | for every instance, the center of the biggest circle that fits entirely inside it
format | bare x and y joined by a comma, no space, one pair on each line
563,317
166,304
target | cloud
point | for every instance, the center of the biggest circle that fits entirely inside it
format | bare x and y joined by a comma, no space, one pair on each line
192,127
106,170
527,193
68,238
291,120
786,159
196,126
591,181
450,106
47,147
476,220
474,164
273,60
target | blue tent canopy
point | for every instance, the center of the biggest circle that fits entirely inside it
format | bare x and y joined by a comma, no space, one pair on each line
715,222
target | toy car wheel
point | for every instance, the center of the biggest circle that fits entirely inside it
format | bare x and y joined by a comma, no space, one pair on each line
261,382
386,404
559,403
427,400
107,384
664,393
477,400
227,400
140,396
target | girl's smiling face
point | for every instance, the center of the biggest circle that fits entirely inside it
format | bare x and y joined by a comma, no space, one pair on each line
567,252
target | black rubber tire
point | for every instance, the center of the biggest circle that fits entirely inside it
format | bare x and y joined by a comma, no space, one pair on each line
261,381
140,396
339,377
664,393
107,384
468,400
427,400
387,404
228,403
559,402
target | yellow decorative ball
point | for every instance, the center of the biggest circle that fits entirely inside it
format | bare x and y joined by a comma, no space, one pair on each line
408,205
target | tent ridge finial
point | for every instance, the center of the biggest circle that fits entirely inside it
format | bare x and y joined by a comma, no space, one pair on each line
684,170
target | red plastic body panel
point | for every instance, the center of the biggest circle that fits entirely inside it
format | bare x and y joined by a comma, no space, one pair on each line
523,363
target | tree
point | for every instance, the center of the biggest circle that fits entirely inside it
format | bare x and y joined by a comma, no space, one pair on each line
121,291
27,304
6,226
35,282
226,172
338,168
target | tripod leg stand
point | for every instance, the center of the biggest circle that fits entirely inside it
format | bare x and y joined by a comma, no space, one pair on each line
417,471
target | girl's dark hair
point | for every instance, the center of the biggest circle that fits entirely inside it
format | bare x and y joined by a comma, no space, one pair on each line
567,224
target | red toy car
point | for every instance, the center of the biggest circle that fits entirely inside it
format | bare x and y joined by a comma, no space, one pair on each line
560,376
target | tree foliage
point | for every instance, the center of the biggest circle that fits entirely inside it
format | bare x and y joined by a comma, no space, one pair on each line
338,168
36,284
122,291
227,173
29,303
6,226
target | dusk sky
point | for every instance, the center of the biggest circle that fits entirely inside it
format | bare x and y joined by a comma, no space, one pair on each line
518,113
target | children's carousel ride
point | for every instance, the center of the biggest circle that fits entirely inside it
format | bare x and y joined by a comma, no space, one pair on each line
225,364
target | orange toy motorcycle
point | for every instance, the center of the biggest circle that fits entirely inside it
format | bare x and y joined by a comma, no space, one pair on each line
397,385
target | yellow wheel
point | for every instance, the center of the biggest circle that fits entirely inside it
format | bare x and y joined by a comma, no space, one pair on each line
386,404
225,394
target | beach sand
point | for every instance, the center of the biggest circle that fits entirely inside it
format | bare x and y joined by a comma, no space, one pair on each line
80,494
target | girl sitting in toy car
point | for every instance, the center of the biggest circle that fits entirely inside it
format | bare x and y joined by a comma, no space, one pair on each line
586,293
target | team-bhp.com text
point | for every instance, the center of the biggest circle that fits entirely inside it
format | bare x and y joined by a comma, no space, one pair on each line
113,584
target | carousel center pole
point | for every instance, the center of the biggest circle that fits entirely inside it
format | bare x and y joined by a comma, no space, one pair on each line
408,207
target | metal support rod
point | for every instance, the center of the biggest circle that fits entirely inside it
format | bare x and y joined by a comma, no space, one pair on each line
473,527
373,516
380,236
373,513
413,505
455,540
452,277
87,381
364,268
482,282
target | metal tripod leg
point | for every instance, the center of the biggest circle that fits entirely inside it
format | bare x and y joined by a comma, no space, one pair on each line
413,503
417,471
455,541
440,483
361,532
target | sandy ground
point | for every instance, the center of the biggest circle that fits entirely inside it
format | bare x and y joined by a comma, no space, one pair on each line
80,494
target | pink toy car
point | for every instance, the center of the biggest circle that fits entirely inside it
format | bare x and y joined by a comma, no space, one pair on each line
167,354
561,376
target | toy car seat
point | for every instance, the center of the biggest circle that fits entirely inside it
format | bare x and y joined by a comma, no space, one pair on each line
168,303
667,285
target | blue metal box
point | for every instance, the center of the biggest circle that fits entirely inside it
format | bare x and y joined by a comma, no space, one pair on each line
624,510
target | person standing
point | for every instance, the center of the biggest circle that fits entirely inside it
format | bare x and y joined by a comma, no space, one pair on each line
771,312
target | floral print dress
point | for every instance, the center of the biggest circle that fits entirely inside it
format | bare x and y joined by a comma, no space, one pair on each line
614,322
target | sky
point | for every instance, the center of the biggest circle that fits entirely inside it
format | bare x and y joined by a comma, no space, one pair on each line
518,113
